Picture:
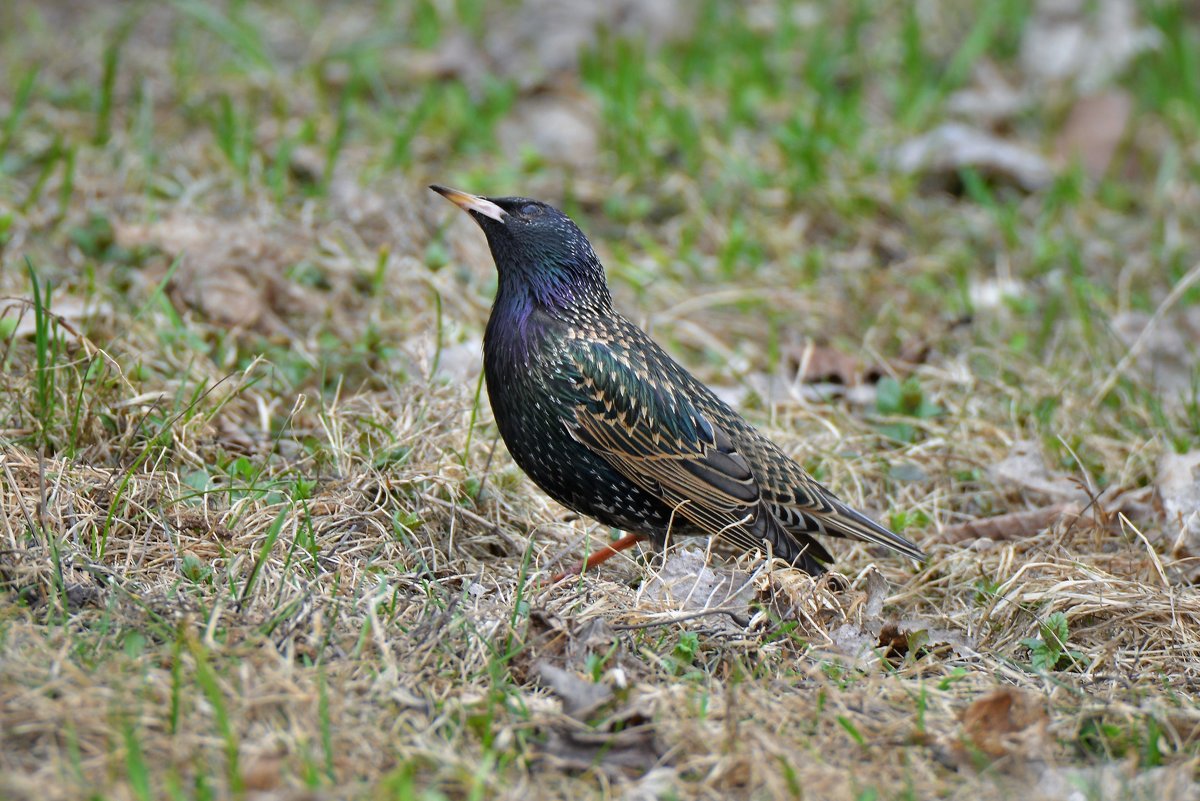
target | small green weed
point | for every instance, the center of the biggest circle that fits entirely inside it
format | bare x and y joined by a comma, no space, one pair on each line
1048,651
903,399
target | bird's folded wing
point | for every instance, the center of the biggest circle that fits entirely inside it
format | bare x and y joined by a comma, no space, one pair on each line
662,443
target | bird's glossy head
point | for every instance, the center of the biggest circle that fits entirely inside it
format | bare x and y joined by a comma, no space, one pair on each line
537,249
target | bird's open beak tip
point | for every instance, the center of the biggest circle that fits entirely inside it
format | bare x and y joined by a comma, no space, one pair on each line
472,203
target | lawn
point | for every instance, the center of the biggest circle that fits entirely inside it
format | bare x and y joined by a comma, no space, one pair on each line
259,538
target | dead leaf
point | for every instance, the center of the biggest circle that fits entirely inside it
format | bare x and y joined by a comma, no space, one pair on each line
825,608
625,742
628,750
814,363
687,581
920,633
230,271
953,146
1011,526
1024,468
539,42
991,99
566,643
894,642
579,698
1178,486
1167,352
853,641
653,786
1006,722
1117,780
264,771
592,636
1093,130
1083,43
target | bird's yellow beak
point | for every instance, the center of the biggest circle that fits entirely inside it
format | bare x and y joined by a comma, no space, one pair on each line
466,202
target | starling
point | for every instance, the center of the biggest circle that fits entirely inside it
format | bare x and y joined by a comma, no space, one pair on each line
609,425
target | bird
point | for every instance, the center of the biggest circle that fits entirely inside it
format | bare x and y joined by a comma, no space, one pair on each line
608,424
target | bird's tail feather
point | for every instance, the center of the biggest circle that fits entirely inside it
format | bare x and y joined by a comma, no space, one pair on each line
850,523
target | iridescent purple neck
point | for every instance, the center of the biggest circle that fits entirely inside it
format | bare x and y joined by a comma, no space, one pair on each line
511,329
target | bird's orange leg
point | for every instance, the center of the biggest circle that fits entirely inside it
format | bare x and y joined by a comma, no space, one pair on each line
600,555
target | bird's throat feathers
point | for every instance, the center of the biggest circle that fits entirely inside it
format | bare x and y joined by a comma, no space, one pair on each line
532,300
556,274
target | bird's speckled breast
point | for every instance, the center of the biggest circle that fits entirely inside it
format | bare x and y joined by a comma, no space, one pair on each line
525,377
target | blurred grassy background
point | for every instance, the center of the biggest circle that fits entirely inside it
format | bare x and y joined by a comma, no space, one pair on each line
745,154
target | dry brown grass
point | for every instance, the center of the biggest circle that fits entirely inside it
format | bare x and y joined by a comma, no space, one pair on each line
258,538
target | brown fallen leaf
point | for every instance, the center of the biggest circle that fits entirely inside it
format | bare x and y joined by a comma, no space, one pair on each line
923,636
229,271
1093,130
873,599
546,637
810,362
1006,722
1011,526
264,771
592,636
565,643
894,643
816,364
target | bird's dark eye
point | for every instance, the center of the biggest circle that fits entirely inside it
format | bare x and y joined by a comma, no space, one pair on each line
530,210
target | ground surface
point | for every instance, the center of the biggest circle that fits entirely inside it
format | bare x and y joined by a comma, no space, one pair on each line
258,539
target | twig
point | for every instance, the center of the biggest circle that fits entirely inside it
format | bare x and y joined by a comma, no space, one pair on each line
718,610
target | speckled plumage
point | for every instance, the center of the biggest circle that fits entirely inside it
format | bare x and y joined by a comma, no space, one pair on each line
608,424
